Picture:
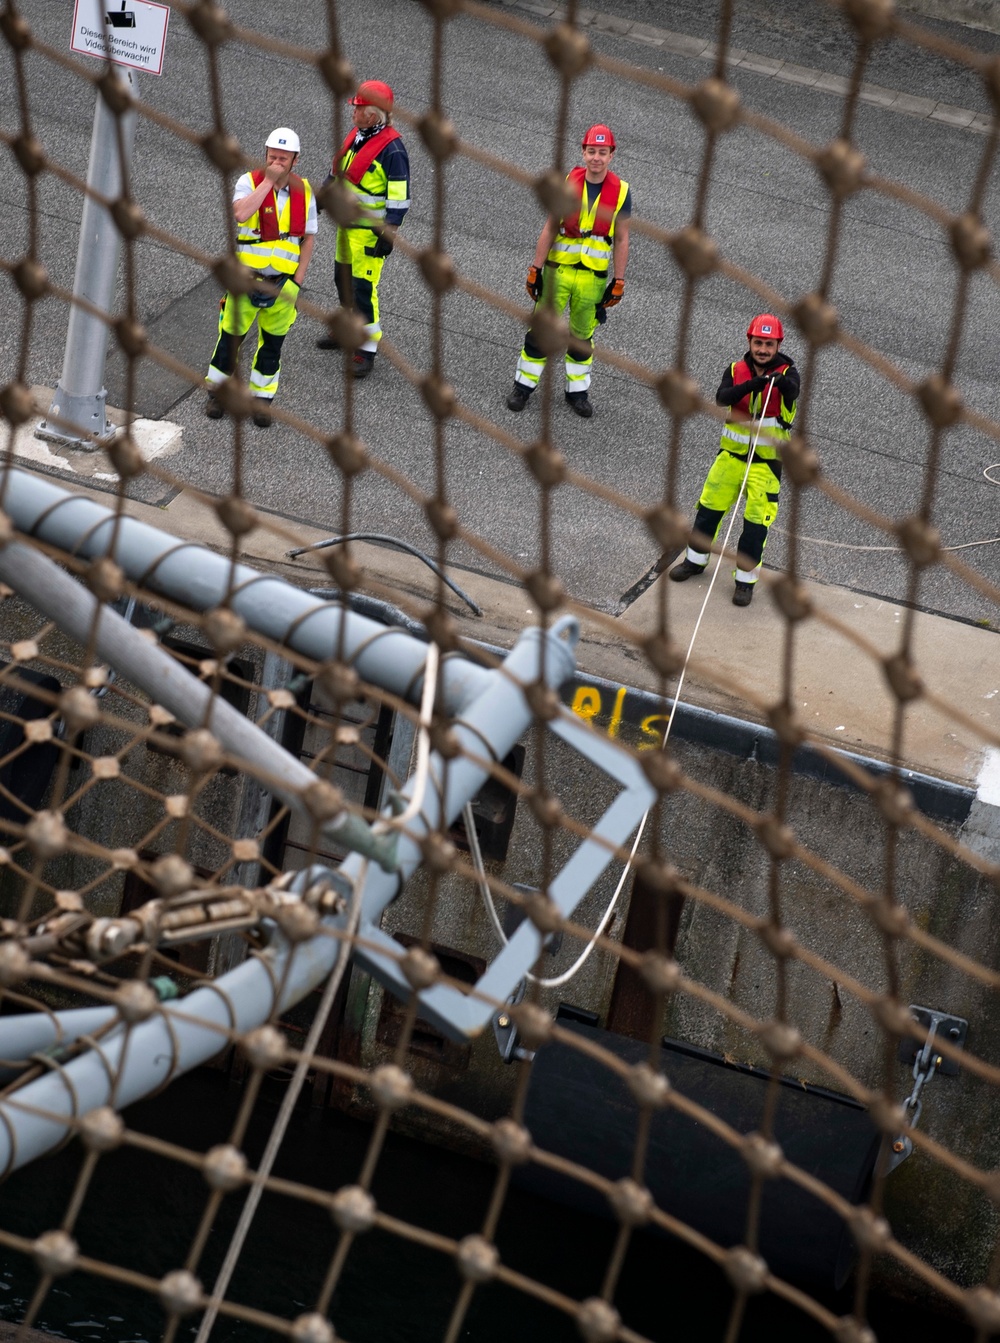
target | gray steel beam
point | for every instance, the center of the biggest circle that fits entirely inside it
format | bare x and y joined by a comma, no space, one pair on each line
177,1037
197,577
78,613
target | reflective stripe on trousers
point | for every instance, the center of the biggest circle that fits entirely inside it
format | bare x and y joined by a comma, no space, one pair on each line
582,290
236,316
719,493
353,245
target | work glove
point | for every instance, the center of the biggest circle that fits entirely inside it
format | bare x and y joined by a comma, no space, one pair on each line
757,384
533,283
613,294
383,245
786,386
601,313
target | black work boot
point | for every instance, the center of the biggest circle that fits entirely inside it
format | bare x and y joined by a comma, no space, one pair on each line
261,415
680,573
579,404
362,364
213,407
327,343
743,595
518,398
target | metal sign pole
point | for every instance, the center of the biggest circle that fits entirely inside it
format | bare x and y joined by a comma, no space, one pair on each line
77,413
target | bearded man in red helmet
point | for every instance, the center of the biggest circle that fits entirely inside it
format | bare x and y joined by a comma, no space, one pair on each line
374,164
760,390
579,263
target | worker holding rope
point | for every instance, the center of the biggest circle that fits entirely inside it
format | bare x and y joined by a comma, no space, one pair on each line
761,390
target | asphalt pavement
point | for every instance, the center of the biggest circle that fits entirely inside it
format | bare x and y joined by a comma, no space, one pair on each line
895,281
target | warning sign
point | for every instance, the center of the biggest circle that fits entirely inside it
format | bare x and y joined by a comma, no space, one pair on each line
125,32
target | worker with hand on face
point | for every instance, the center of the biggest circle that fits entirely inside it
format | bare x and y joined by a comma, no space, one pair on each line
761,390
579,263
373,163
275,214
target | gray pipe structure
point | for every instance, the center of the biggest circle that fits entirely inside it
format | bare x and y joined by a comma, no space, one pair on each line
197,577
134,1062
77,612
80,398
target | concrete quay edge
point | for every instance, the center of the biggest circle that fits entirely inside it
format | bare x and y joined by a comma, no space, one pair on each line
841,698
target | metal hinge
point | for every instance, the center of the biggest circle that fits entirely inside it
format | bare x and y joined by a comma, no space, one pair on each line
926,1062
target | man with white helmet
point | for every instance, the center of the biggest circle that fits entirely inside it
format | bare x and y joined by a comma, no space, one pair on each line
275,213
374,165
579,263
761,390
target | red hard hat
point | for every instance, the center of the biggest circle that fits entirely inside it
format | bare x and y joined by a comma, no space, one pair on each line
599,135
373,93
767,327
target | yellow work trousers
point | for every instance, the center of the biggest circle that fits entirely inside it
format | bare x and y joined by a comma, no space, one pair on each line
580,290
236,316
354,248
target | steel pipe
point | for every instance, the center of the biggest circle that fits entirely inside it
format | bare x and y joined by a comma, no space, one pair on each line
180,1036
77,612
197,577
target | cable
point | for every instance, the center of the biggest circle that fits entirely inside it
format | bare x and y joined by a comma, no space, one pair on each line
389,541
894,550
285,1112
846,545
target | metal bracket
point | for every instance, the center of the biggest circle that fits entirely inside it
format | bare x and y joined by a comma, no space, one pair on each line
460,1014
941,1026
505,1031
926,1062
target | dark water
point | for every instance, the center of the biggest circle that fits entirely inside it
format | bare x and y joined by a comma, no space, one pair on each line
142,1212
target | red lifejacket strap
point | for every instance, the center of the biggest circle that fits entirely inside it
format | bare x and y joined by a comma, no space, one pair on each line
267,211
606,206
742,372
366,155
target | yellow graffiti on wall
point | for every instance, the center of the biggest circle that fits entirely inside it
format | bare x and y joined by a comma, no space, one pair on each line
588,704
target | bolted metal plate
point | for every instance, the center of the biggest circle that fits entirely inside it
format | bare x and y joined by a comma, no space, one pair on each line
953,1030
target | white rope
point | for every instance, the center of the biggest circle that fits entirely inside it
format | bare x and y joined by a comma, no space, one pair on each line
557,981
326,1004
423,744
894,550
285,1112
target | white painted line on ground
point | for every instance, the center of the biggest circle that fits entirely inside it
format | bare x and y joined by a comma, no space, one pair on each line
155,438
701,48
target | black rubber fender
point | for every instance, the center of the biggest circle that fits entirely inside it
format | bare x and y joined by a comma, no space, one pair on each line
579,1109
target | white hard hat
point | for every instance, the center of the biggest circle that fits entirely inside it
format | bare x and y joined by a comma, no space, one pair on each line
283,138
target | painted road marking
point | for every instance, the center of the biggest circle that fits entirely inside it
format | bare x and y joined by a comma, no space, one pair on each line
771,67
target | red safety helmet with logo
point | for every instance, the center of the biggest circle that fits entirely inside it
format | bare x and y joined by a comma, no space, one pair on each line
373,93
767,327
598,135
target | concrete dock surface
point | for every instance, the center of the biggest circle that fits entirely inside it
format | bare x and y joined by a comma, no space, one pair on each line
840,691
